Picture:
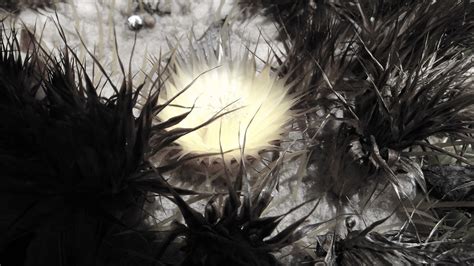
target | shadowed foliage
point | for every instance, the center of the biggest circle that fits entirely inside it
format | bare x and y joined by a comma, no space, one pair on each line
75,169
234,232
394,73
382,78
414,82
449,241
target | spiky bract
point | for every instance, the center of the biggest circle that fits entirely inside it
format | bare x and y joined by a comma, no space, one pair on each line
236,232
447,242
394,73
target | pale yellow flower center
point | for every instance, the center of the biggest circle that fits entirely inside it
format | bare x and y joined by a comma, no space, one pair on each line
259,103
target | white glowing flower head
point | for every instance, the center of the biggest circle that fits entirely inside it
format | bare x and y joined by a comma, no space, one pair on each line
259,104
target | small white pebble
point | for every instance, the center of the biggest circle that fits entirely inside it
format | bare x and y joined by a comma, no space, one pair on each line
135,22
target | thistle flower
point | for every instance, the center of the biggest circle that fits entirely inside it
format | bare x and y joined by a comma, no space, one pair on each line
253,108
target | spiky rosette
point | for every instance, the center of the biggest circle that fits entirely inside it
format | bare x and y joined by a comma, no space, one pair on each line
74,164
447,242
395,74
414,93
235,233
253,108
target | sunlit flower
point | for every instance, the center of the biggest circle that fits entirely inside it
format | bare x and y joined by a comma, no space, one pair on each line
258,104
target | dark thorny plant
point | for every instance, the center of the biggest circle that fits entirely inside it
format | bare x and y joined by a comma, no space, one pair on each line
393,73
382,78
234,231
413,82
449,241
75,172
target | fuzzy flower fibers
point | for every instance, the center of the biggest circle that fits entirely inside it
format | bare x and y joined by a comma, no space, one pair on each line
259,102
